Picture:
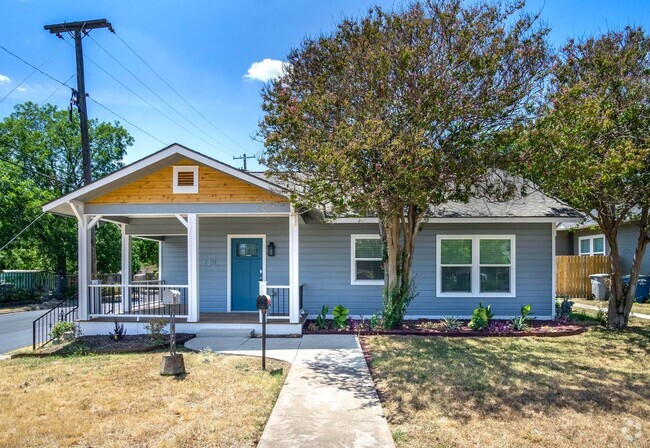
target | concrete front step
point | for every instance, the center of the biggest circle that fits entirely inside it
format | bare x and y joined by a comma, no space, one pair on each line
223,333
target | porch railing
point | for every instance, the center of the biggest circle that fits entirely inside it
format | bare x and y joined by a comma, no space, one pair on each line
133,300
280,300
64,311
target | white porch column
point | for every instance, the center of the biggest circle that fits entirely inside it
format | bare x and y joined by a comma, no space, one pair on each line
553,267
193,267
294,267
83,261
126,269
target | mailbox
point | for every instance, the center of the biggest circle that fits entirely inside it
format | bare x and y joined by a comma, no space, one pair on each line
263,302
171,297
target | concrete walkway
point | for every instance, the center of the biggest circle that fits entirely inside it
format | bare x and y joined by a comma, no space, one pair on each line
328,399
604,308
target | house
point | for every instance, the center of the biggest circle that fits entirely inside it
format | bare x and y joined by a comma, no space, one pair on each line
585,238
226,235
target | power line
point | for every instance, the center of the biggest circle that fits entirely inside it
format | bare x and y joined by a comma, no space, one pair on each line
21,232
156,94
177,93
32,170
33,71
36,68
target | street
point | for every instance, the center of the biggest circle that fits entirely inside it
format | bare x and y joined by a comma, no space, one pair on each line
16,329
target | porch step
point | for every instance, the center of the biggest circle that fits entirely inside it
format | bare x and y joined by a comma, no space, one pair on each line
223,333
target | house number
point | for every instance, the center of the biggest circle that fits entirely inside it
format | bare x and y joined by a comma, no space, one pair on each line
208,262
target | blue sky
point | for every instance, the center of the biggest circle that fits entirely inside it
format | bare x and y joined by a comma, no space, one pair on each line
205,49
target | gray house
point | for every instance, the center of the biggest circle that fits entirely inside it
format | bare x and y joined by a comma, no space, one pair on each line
226,235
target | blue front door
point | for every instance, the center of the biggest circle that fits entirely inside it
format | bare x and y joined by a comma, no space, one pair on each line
246,257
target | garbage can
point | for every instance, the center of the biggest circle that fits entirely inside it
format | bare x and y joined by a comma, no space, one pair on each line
642,287
599,286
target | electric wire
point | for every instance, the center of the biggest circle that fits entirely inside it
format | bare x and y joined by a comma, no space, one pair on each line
22,231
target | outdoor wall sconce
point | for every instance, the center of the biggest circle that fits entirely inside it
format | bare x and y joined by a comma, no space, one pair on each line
270,250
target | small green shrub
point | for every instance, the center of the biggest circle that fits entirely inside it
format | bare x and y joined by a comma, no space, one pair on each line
396,302
601,316
375,321
481,317
520,322
450,323
563,307
321,321
156,328
118,332
59,328
340,314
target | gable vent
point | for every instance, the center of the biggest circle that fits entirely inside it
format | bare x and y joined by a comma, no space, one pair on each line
186,179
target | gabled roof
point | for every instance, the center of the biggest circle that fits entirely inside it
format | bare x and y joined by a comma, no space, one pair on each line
150,164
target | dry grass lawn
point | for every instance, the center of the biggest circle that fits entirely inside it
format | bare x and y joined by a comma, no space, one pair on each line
591,390
643,308
122,401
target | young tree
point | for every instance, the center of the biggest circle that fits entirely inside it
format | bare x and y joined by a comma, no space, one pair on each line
40,160
590,145
400,111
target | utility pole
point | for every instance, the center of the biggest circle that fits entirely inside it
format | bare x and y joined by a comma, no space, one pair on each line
78,30
244,157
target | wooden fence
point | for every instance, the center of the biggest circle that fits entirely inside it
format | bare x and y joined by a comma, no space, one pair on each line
573,271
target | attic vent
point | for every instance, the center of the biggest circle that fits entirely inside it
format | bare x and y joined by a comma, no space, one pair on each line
186,179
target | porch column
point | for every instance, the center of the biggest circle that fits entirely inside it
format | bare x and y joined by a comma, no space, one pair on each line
553,268
83,259
193,268
294,267
126,269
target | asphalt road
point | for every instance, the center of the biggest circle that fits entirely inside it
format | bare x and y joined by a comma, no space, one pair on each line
16,329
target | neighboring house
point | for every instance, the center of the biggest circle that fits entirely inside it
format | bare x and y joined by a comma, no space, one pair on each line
226,235
587,239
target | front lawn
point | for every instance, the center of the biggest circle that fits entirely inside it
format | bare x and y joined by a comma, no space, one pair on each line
643,308
121,400
590,390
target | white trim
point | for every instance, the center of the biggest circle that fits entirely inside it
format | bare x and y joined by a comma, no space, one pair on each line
229,263
353,260
83,264
187,189
126,268
193,267
476,266
160,259
470,220
94,221
161,155
294,266
182,220
591,239
553,269
77,209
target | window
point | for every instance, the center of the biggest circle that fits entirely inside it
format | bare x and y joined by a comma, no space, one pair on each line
476,266
592,245
247,250
367,264
186,179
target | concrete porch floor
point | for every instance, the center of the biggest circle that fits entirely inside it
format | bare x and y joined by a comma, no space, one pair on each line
207,318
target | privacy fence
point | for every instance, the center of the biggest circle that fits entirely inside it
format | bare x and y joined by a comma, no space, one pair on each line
573,271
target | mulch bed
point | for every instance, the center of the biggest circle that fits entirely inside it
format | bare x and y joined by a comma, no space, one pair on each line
429,327
101,345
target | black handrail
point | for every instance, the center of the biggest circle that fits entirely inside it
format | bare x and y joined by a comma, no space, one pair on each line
64,311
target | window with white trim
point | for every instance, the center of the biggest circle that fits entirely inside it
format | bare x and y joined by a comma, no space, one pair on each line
476,266
186,179
367,260
591,245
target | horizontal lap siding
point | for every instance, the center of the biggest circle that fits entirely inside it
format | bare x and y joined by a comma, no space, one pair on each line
174,260
213,247
325,266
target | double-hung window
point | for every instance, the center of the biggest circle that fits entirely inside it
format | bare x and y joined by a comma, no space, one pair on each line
476,266
367,260
592,245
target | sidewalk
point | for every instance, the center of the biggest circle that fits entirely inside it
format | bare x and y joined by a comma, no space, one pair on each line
328,399
596,308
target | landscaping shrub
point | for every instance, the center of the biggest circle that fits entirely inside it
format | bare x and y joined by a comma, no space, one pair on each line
321,321
396,302
375,321
340,314
520,322
450,323
563,307
59,328
156,328
481,317
20,295
118,332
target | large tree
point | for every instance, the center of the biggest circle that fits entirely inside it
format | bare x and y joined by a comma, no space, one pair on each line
399,111
40,160
590,145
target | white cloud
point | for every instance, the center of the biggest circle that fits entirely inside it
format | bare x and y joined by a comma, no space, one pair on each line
266,70
22,89
4,79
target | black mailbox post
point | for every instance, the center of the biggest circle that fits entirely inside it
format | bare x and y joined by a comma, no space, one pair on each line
263,303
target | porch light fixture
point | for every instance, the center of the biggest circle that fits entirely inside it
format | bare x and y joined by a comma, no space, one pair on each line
270,250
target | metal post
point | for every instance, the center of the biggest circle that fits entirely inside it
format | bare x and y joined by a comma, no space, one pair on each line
264,339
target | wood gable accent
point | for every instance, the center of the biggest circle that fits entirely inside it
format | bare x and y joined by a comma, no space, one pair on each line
214,187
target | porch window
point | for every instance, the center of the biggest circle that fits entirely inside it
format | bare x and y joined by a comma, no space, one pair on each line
475,266
367,261
592,245
186,179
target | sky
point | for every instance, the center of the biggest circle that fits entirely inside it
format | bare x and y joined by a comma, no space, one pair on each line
215,54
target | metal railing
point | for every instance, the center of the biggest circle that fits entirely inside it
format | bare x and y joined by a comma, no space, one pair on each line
133,300
279,301
64,311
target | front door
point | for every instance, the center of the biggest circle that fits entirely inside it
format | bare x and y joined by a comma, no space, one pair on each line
246,259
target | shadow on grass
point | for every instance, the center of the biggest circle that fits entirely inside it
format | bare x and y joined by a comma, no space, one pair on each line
601,371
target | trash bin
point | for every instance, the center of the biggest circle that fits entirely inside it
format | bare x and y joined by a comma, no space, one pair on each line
642,287
599,286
